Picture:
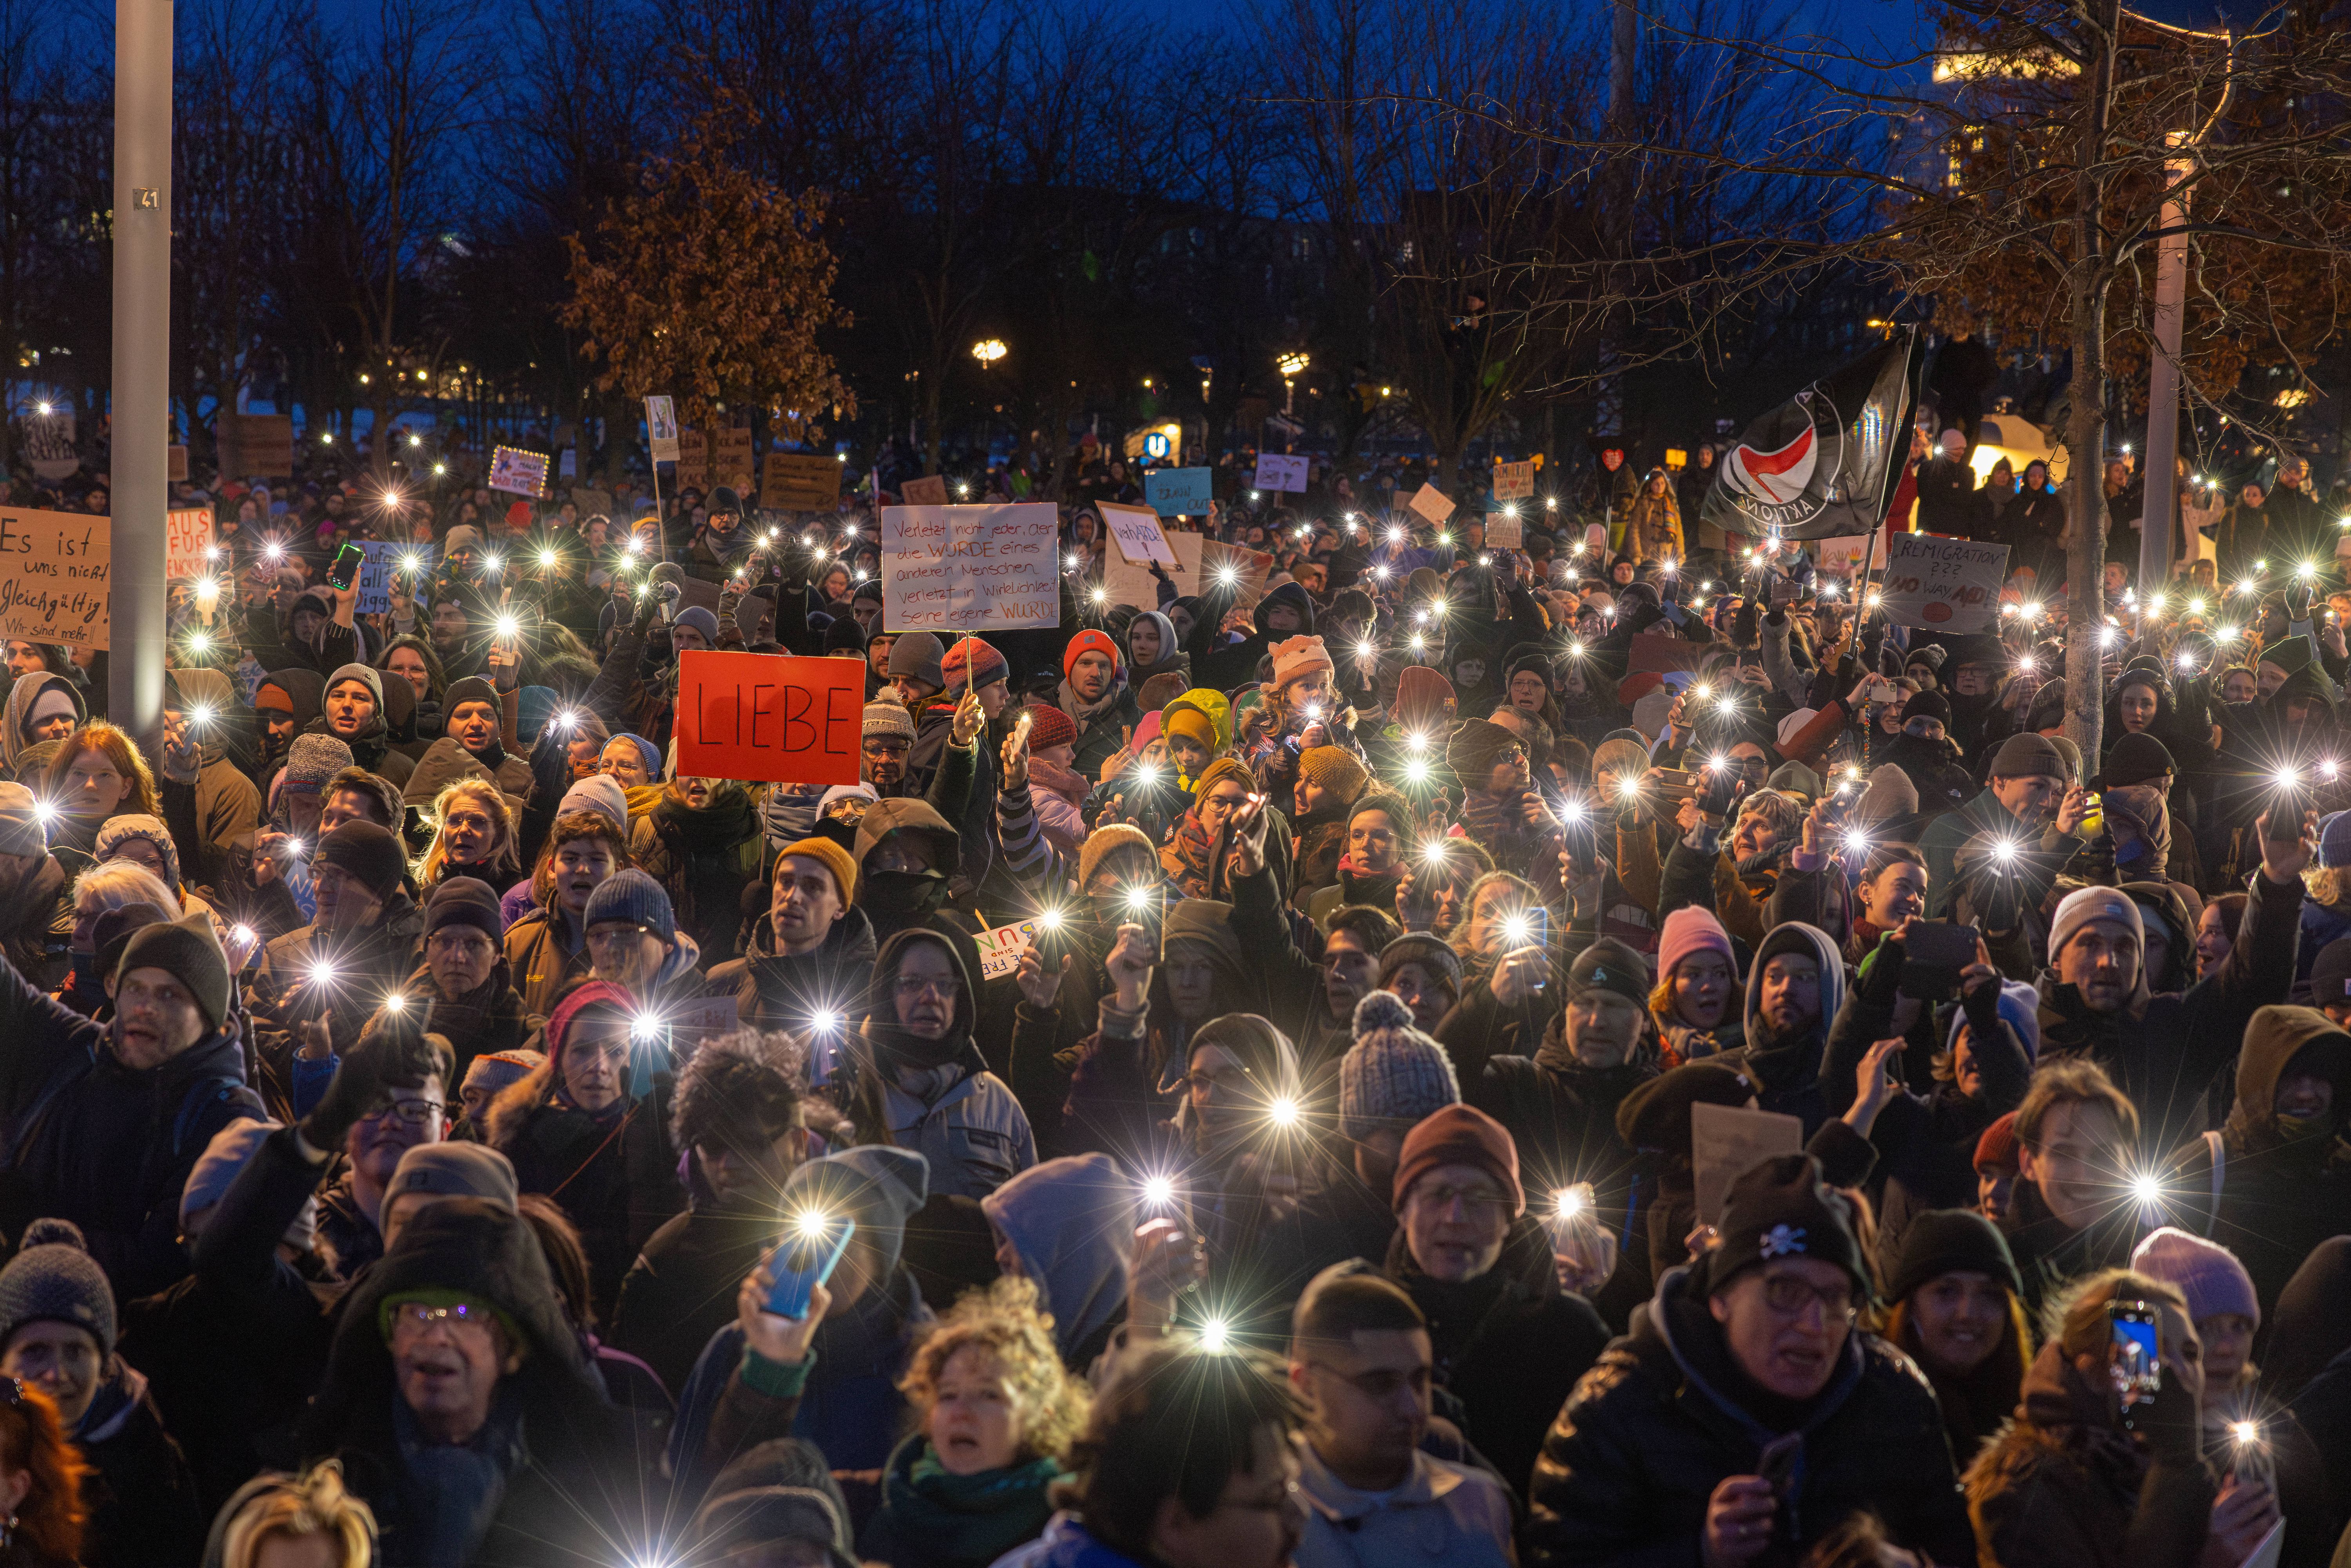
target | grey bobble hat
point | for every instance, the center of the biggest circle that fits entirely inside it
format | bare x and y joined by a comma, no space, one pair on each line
313,759
631,895
366,674
21,829
53,1279
888,718
1393,1075
456,1169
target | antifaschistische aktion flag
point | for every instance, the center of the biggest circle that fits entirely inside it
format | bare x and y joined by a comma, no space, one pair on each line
1825,462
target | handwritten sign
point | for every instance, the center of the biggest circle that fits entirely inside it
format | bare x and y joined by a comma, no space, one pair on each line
53,576
970,569
801,482
1278,472
187,533
1505,531
1943,585
1841,556
1201,563
517,472
927,492
1729,1141
1432,503
1000,950
1178,492
1136,528
256,444
661,428
704,1019
733,460
693,459
768,717
384,558
1513,482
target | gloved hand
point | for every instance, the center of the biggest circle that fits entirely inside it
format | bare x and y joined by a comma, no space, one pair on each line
1880,982
381,1056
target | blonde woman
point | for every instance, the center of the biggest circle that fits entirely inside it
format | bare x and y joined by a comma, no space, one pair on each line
475,837
309,1521
994,1415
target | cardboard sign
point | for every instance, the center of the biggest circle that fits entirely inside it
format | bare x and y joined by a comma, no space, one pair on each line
175,464
1729,1141
702,1019
1200,563
1676,459
1943,585
1654,652
1278,472
567,464
383,558
1514,482
661,428
693,462
1505,531
1431,503
517,473
1136,528
1841,556
53,576
1178,492
929,492
971,569
801,482
257,445
733,461
769,718
187,533
1000,950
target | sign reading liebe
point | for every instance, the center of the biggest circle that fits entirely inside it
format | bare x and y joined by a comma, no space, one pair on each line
770,718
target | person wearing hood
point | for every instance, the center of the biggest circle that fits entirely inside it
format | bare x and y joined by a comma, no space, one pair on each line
810,952
1929,756
1066,1226
1659,1455
461,1408
58,1335
2070,1482
355,714
1285,611
1151,649
1794,993
906,852
591,1130
1954,1307
737,1121
36,933
722,542
1733,874
208,802
1097,700
288,702
703,844
40,707
832,1377
912,1077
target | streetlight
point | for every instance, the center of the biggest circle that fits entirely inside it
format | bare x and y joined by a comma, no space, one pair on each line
988,350
1292,365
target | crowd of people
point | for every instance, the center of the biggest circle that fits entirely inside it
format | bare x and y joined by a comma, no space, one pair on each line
1261,1058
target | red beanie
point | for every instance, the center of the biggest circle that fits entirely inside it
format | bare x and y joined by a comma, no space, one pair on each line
1089,642
1996,1150
1460,1135
1049,727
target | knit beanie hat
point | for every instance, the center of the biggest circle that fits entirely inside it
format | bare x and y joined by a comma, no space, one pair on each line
1610,965
465,901
877,1184
1217,772
313,759
231,1150
701,619
493,1070
1475,748
1209,922
2330,974
2288,655
1335,768
843,636
187,950
1888,795
1688,930
1393,1073
370,855
969,663
1928,705
1088,641
22,832
835,857
53,1279
119,831
600,793
888,718
1460,1135
457,1168
2138,759
1423,698
1655,1116
1296,656
2020,1009
2089,903
1104,840
56,700
1428,950
1951,1241
631,895
647,753
465,536
2027,756
1931,654
918,656
2207,1273
1996,1150
366,674
472,689
1049,725
1779,1208
2334,840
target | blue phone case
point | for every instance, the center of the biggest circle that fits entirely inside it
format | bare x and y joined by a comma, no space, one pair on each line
805,1262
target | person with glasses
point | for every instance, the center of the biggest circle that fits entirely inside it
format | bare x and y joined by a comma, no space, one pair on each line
1732,873
1361,1364
1745,1417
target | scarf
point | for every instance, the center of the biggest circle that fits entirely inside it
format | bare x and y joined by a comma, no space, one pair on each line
965,1520
490,1010
730,546
1359,886
1189,855
1083,714
453,1490
712,830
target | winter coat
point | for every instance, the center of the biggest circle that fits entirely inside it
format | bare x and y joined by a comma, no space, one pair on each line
1949,833
930,1518
1445,1515
371,750
615,1176
445,762
1627,1468
543,966
206,818
142,1497
36,933
680,1289
775,990
704,858
1653,528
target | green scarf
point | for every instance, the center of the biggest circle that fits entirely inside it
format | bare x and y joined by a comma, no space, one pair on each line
965,1520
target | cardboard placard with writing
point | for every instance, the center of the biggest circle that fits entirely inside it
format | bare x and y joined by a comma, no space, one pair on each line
1000,950
1130,582
971,569
1505,531
1943,585
801,482
382,560
733,461
187,533
175,464
1277,471
1432,503
661,428
257,445
517,472
1136,528
930,491
769,718
1514,481
53,576
1841,556
1729,1141
1179,492
704,1019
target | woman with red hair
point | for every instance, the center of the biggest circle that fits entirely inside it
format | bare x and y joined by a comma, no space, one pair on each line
41,1510
96,775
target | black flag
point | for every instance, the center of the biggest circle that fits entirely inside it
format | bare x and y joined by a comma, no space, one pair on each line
1825,462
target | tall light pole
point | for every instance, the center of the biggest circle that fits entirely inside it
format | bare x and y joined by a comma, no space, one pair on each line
142,362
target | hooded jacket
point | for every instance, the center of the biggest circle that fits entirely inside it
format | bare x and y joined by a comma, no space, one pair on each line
445,762
1789,1069
16,724
773,989
208,817
1070,1221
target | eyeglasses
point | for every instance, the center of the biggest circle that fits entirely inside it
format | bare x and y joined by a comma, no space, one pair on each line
1788,1296
1220,804
908,986
1477,1201
415,1112
411,1319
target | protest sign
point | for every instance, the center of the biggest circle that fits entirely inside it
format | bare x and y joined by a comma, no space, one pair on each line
257,445
53,576
971,569
733,460
661,428
1505,531
1000,950
1243,571
187,532
175,464
929,492
801,482
1729,1141
593,503
1138,533
1201,563
1841,556
692,461
702,1019
1178,492
1514,482
516,472
384,558
1656,652
1943,585
1277,472
567,464
1431,503
768,717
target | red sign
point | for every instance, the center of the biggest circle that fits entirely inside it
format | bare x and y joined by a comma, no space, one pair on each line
770,718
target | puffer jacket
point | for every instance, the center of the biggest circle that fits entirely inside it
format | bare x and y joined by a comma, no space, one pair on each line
775,990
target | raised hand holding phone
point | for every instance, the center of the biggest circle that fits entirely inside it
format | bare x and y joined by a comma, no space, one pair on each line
770,1334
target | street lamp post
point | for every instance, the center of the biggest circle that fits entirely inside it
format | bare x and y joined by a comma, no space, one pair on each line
1291,366
142,360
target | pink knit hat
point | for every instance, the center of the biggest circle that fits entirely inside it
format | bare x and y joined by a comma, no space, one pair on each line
1298,657
1688,930
2207,1273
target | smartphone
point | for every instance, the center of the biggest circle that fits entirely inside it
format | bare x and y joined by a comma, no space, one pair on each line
1933,955
2134,1351
807,1257
1580,836
1777,1463
346,569
1678,783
